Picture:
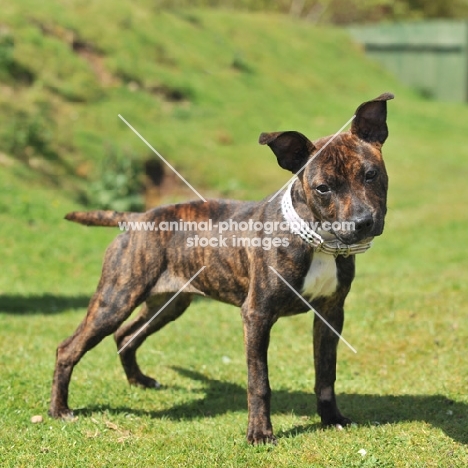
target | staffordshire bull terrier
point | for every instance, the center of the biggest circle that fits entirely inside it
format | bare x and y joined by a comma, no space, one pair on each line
340,181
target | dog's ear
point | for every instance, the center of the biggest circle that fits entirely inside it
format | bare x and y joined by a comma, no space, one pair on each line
292,149
370,123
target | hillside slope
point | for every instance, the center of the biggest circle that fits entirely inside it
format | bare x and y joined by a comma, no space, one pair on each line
200,86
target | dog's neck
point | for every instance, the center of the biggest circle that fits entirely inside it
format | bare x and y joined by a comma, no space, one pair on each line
303,229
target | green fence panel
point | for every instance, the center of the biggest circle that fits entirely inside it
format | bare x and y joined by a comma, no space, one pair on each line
431,56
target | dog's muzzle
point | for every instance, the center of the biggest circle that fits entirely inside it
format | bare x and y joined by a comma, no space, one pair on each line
300,227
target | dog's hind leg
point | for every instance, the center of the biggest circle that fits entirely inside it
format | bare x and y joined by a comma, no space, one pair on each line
130,336
120,290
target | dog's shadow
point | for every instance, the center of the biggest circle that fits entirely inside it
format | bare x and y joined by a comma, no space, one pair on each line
41,303
222,397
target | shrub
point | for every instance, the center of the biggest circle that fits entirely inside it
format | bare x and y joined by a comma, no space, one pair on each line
118,184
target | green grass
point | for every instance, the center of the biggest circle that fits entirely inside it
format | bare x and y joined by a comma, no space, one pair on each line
188,81
406,315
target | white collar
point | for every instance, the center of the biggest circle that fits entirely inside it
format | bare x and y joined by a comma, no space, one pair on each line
302,228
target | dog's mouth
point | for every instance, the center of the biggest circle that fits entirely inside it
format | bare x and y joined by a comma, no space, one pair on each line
350,240
349,233
346,237
327,235
367,240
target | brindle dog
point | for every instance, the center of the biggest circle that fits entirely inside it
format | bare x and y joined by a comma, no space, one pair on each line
346,181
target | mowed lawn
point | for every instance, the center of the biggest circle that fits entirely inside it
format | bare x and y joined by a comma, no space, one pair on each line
406,315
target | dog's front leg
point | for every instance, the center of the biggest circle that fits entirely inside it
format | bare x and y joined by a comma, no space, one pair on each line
325,351
257,326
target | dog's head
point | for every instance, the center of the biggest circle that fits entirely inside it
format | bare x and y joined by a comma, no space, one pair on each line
344,181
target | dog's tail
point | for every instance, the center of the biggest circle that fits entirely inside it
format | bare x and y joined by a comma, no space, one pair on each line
102,217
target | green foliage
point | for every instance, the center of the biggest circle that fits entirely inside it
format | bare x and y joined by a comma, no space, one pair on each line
27,133
11,71
118,182
6,51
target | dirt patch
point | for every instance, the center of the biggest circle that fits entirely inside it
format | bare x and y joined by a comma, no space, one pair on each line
85,49
163,186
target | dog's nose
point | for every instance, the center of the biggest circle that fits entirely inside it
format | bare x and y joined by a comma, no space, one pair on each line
363,224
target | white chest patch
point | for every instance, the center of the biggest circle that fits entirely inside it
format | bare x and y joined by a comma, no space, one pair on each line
321,278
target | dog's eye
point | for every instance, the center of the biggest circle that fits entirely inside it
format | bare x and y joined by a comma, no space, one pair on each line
371,175
323,188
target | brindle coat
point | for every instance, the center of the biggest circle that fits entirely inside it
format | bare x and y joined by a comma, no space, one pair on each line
347,181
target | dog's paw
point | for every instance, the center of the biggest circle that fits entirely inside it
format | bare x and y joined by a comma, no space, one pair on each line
331,416
144,382
261,438
62,413
337,420
344,422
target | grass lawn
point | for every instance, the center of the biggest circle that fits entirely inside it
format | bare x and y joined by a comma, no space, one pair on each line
406,388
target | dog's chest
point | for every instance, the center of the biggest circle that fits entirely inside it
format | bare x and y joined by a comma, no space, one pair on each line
321,278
